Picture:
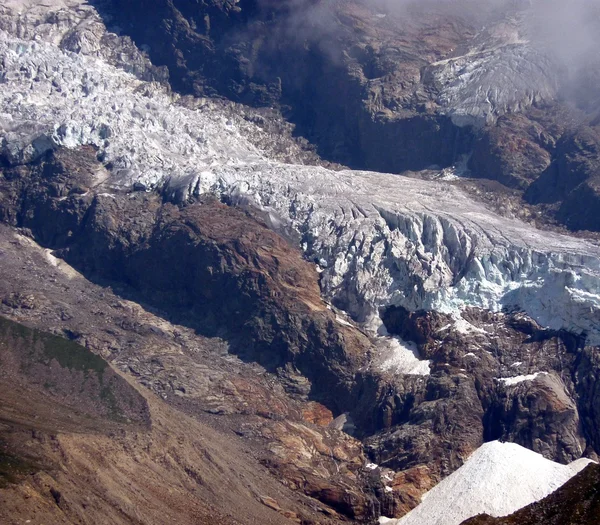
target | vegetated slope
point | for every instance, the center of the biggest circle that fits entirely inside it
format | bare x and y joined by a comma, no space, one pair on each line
70,374
69,452
577,502
498,478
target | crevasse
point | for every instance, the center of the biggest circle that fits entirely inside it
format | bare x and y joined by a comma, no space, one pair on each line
379,239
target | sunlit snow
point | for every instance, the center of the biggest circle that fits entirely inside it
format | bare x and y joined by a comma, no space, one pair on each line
498,479
510,381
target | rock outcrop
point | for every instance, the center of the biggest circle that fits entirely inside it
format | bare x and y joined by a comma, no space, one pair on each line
271,313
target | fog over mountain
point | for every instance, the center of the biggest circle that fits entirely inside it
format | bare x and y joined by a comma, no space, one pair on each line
567,32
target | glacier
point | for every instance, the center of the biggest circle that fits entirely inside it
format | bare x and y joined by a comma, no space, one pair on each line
377,239
499,71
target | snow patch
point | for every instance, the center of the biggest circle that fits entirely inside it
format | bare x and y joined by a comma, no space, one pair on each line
342,321
464,327
50,258
498,479
510,381
400,357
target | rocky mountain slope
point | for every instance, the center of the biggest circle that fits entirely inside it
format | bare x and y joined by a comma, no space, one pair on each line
357,335
70,454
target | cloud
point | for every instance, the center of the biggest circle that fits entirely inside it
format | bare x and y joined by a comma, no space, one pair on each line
568,31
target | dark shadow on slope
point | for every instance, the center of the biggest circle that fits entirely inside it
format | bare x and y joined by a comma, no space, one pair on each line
215,268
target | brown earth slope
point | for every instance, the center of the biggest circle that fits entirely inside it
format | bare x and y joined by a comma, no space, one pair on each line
72,453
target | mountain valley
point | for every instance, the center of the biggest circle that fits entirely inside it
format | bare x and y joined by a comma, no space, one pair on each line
327,255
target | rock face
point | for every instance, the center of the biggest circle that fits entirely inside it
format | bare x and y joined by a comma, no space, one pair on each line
186,258
575,503
325,61
571,181
486,380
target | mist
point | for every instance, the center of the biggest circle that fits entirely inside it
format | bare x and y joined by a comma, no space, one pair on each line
567,31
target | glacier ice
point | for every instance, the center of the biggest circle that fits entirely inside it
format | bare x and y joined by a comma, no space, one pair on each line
379,239
498,72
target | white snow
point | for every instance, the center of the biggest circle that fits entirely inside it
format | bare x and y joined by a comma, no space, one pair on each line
510,381
381,239
371,466
400,357
27,5
464,327
498,479
342,321
500,72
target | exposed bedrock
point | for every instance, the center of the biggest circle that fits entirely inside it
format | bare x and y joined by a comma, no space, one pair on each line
553,395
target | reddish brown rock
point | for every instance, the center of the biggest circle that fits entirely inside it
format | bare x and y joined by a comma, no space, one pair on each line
317,414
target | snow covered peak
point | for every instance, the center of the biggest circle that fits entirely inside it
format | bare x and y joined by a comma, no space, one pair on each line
498,479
